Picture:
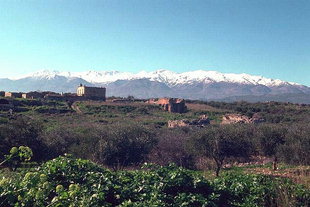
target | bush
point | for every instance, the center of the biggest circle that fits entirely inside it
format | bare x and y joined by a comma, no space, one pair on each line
296,148
81,141
22,131
222,142
270,138
172,148
125,145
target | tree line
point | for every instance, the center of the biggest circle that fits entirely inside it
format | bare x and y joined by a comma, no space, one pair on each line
129,145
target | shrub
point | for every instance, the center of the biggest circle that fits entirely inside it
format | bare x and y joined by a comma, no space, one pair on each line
171,148
270,137
125,145
81,141
222,142
22,131
16,156
296,148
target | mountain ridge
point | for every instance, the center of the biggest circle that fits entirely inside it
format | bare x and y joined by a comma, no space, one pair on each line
199,84
161,75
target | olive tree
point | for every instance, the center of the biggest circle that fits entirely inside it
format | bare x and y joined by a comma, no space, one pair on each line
222,142
172,148
270,138
296,148
125,145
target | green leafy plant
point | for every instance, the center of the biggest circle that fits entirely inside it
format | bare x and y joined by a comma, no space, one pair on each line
66,181
17,155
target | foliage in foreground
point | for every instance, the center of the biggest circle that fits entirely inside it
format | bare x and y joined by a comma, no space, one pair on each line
66,181
17,155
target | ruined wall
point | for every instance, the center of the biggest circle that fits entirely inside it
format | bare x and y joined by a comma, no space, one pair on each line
238,118
173,105
13,95
200,122
59,97
33,95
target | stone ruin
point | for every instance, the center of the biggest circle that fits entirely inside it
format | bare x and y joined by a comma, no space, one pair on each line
238,118
174,105
200,122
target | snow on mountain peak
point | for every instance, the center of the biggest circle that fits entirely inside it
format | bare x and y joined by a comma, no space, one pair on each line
162,75
42,74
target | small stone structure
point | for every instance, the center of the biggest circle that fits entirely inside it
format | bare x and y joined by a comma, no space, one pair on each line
238,118
13,94
200,122
34,95
174,105
98,93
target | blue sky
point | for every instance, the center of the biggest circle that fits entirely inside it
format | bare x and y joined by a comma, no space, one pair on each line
262,37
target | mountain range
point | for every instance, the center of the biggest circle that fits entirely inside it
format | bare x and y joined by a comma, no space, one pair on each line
199,84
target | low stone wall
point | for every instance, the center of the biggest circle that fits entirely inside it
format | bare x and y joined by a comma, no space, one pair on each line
200,122
238,118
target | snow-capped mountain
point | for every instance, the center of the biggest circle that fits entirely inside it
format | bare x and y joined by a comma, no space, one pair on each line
164,76
199,84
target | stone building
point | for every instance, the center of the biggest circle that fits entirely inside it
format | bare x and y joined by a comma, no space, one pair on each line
97,93
13,94
33,95
174,105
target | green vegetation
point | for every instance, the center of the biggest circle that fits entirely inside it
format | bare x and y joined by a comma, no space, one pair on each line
220,143
125,146
272,112
66,181
120,137
17,155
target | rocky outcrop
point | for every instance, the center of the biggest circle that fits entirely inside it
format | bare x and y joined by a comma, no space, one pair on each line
174,105
238,118
178,123
200,122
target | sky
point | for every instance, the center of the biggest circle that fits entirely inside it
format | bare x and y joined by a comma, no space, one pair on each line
262,37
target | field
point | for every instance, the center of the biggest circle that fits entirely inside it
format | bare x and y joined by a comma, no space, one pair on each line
95,154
